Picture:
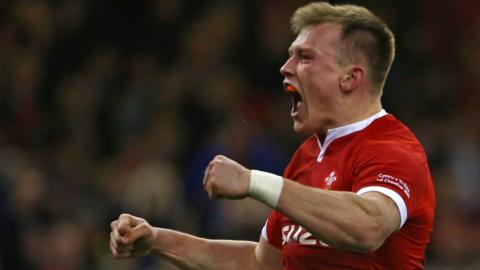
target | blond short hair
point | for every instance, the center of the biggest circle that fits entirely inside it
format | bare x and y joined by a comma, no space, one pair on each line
363,34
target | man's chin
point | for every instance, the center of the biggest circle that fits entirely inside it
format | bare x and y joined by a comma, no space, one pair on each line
300,128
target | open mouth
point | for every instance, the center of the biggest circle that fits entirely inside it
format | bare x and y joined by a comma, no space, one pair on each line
295,97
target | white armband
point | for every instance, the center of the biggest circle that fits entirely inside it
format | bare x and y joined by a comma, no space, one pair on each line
265,187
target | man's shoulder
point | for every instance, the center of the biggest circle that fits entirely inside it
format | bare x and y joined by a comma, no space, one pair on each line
388,125
388,137
386,143
389,131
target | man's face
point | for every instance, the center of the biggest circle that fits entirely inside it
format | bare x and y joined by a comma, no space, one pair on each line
312,77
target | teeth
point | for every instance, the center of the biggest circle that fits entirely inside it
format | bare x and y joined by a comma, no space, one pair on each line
295,96
296,100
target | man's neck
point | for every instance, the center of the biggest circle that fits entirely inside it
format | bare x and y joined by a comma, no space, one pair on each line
354,117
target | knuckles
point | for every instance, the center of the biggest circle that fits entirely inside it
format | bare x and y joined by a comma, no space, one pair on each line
221,176
124,216
219,158
144,226
113,224
122,246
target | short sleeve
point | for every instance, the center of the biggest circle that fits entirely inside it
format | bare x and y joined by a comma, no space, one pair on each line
271,230
394,172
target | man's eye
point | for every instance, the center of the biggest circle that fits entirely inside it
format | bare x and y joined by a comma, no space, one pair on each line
305,57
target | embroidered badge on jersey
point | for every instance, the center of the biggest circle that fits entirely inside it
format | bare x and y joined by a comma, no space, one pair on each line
329,180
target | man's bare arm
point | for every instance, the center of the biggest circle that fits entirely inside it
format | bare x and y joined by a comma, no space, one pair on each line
343,220
132,236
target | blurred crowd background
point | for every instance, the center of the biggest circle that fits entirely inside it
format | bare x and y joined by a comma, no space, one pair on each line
117,106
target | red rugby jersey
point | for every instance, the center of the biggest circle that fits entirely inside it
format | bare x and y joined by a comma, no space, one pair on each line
377,154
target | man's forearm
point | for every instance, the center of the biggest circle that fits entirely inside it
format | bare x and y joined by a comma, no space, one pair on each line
189,252
343,220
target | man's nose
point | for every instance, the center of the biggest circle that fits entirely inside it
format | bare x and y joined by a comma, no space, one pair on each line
287,69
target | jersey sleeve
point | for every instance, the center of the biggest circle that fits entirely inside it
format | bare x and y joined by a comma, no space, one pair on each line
394,172
271,230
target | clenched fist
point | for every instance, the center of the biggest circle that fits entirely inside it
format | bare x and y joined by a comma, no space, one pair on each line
225,178
131,237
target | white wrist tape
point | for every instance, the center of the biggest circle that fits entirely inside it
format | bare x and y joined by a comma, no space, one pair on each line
265,187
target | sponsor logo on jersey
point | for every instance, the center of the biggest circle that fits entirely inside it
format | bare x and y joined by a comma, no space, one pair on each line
295,233
390,179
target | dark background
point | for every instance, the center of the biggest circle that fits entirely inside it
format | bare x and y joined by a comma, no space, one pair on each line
117,106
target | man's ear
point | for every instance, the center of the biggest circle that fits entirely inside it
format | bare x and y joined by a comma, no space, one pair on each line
352,79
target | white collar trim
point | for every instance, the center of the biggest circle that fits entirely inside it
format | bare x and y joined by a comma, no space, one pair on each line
338,132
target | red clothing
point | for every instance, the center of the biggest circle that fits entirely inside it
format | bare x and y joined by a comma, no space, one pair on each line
378,154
